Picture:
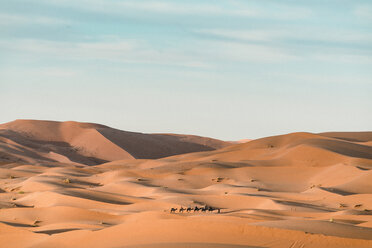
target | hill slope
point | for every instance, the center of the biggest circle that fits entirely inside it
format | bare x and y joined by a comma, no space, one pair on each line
86,143
296,149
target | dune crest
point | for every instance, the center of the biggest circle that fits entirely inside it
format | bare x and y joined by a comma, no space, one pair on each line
88,143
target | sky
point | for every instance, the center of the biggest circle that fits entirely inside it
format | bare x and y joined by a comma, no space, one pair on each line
228,69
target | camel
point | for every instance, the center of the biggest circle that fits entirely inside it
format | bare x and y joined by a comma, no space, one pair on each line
173,210
188,209
196,209
182,209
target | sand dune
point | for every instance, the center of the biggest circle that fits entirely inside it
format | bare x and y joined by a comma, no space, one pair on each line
87,143
294,190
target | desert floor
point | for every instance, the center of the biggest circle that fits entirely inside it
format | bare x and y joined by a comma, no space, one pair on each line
293,190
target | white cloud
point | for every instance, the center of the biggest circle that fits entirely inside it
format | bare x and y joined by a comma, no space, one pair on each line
238,52
204,54
119,46
326,78
169,7
343,58
315,34
13,19
244,35
70,49
124,51
363,11
271,10
172,7
233,8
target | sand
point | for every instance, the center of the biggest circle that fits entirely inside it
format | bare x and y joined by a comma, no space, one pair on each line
293,190
33,141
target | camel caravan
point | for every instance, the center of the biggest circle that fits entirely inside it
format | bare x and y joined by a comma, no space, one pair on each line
196,209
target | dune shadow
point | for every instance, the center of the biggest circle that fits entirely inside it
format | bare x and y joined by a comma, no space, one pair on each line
58,184
23,147
305,205
16,224
51,232
224,165
11,153
258,195
22,206
190,245
85,183
337,191
153,146
93,197
349,136
351,222
76,174
343,147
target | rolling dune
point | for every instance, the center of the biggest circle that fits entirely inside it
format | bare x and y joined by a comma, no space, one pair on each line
87,143
116,189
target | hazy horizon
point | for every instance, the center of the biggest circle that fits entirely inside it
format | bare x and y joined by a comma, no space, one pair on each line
224,69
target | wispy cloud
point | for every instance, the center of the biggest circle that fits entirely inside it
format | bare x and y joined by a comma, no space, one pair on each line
172,7
124,51
316,34
363,11
206,9
239,52
334,46
231,8
323,79
202,55
14,20
348,58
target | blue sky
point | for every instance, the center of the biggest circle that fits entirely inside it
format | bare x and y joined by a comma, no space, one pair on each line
226,69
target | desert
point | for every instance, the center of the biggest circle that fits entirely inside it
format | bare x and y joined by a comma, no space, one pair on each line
71,184
185,124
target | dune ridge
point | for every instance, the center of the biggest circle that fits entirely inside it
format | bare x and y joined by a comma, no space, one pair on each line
292,190
88,143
